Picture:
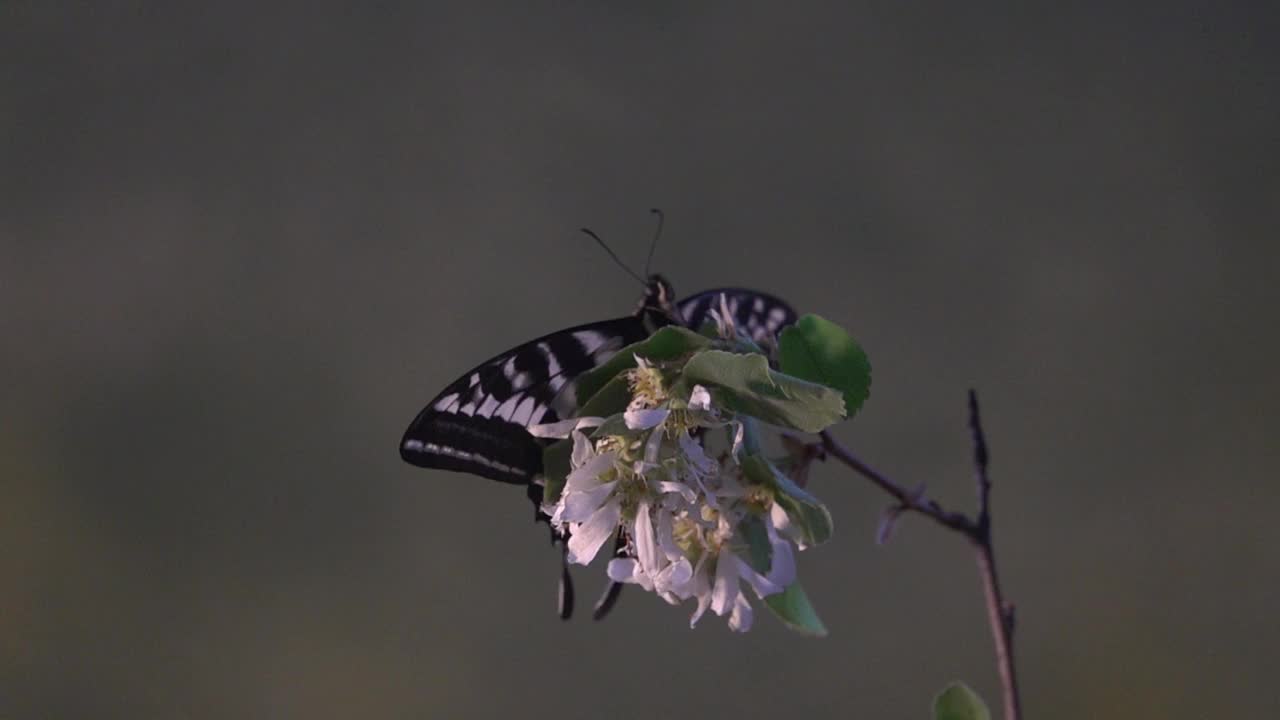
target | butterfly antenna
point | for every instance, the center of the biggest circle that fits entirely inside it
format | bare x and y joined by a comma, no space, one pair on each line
613,255
662,218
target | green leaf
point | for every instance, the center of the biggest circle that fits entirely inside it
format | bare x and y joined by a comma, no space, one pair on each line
668,343
610,399
809,515
759,551
959,702
820,351
792,607
750,435
745,384
556,464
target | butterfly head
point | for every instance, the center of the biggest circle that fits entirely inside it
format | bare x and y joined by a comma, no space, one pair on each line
659,296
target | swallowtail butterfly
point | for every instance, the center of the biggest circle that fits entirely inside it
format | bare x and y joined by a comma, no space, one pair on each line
479,423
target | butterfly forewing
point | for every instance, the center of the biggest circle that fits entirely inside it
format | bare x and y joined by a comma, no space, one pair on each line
479,423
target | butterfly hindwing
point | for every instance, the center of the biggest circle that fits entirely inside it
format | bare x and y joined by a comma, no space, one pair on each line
761,315
479,423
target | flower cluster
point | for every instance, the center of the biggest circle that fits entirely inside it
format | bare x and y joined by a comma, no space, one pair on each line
695,527
690,524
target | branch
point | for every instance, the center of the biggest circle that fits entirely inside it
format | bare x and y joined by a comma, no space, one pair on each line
999,610
1000,613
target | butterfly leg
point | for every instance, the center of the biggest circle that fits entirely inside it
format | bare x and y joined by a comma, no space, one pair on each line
606,601
564,596
613,590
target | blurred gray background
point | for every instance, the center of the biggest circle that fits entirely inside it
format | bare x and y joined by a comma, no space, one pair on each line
240,248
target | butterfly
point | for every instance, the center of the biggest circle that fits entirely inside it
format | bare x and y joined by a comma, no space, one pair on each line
479,423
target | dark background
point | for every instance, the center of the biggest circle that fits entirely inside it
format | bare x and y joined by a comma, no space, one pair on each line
240,248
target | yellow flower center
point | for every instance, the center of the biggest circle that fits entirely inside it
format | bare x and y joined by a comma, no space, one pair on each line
646,387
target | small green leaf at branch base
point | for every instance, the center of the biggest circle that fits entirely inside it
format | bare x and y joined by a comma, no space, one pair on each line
791,605
745,384
818,350
793,608
959,702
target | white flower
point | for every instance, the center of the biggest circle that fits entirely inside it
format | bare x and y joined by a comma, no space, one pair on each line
588,505
680,510
587,537
722,592
659,566
672,582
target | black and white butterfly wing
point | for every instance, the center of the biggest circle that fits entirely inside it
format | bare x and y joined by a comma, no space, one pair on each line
479,423
761,315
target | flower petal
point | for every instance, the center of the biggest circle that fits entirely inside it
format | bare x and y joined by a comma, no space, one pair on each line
696,456
783,570
622,570
583,450
562,428
704,601
653,447
667,538
627,570
646,544
590,535
779,518
740,620
725,592
780,523
737,442
782,565
700,586
588,476
645,419
674,579
699,399
579,505
686,492
761,584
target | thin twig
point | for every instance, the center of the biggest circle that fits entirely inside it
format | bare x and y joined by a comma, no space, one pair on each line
999,610
976,530
913,500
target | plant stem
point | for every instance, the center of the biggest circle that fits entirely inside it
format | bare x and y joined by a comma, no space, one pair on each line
1000,612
